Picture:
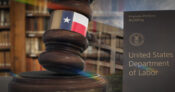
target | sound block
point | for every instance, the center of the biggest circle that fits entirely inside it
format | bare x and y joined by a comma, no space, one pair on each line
45,81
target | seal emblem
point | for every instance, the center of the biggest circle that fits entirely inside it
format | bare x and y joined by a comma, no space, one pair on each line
136,39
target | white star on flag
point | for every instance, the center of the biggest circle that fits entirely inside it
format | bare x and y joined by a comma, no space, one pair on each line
66,20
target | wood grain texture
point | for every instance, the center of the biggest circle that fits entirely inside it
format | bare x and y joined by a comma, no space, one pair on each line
18,53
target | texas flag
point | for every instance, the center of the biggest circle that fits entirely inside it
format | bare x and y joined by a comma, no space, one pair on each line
69,20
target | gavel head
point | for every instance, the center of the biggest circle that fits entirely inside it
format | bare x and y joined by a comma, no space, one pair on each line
66,38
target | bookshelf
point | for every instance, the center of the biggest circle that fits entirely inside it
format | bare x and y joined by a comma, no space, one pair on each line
36,24
21,30
5,51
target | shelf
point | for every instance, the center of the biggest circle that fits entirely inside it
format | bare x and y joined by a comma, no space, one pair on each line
34,33
4,7
37,15
5,69
34,55
4,27
103,63
5,49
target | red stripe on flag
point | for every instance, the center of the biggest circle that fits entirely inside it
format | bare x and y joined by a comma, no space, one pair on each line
94,26
79,28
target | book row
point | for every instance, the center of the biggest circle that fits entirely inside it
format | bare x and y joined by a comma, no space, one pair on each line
4,39
39,8
37,24
5,60
4,18
34,46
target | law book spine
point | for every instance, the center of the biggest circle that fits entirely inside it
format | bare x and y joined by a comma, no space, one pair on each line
2,18
3,63
40,22
35,24
30,9
8,37
35,7
1,60
1,39
8,63
7,18
45,11
40,8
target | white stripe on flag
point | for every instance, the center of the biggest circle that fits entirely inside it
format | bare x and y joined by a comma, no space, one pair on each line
79,18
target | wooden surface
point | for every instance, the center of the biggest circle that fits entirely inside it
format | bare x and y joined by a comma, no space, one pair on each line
18,54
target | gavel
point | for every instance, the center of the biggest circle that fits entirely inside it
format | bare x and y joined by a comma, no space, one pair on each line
65,40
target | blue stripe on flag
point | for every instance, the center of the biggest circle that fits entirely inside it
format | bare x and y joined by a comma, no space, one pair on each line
66,21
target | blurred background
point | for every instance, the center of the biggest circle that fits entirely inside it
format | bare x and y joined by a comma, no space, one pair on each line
22,27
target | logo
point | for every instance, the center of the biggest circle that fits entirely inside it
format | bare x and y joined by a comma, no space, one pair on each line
136,39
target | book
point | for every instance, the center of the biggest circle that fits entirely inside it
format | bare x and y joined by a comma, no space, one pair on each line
5,60
41,45
7,18
36,7
4,39
1,60
4,18
45,10
30,9
149,51
40,7
30,24
46,23
32,47
40,24
37,24
8,63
